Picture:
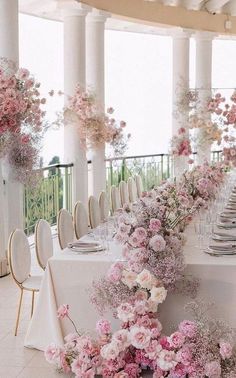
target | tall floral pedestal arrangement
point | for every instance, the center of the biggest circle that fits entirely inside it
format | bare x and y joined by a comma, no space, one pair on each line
21,132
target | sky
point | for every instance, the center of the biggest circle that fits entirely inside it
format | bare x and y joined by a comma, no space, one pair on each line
138,80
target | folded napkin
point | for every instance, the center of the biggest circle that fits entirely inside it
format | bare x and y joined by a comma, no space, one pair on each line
83,244
222,247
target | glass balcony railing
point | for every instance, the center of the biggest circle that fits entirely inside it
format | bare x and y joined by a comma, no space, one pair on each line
52,192
54,189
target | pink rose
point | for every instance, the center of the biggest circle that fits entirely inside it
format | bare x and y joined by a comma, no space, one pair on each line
213,369
157,243
140,337
155,224
225,349
184,355
153,350
176,340
141,233
188,328
63,311
103,327
135,240
122,339
166,360
110,351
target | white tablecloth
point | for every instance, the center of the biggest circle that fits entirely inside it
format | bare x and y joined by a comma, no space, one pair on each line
69,276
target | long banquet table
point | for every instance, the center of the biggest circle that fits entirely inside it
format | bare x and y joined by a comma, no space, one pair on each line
69,276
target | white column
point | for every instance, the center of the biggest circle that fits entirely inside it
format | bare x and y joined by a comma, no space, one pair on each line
203,83
12,191
74,73
180,49
95,27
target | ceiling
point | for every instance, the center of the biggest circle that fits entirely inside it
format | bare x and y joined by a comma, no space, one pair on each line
148,16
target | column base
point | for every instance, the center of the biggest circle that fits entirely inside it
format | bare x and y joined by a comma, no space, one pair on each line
4,269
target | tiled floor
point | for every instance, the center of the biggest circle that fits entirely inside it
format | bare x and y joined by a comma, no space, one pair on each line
15,360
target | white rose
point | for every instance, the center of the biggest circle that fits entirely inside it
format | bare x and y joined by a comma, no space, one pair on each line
166,360
110,351
128,278
158,294
140,337
145,279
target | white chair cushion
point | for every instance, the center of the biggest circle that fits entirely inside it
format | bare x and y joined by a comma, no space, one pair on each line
94,212
115,198
65,228
32,282
132,190
104,206
44,243
19,255
124,194
80,220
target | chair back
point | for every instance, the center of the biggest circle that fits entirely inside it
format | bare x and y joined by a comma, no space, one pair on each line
65,228
19,256
124,193
133,196
80,220
104,206
139,185
94,212
115,199
43,242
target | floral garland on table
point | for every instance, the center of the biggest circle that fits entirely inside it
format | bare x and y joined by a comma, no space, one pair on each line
94,125
21,120
153,249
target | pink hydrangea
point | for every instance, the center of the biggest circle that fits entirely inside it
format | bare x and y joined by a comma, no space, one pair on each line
188,328
155,224
103,327
63,311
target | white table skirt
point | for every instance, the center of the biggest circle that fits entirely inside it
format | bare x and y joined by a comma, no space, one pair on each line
69,276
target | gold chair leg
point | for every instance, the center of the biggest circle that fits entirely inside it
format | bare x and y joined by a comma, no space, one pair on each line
18,313
32,304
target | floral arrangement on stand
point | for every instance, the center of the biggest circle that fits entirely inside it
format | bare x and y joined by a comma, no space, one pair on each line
150,232
181,143
21,120
95,126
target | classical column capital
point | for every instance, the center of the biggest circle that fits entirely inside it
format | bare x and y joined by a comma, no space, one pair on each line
97,15
73,8
180,33
205,36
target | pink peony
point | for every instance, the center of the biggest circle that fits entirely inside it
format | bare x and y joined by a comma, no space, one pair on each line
213,369
140,337
155,224
225,349
157,243
188,328
103,327
63,311
128,278
145,279
176,340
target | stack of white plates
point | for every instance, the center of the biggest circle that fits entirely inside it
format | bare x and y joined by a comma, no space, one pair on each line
85,247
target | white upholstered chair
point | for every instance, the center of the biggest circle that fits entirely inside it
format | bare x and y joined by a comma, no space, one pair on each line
104,206
139,185
80,220
19,257
65,228
124,193
94,212
115,199
43,242
133,196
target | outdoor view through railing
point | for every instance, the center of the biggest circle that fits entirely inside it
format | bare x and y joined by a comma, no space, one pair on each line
54,189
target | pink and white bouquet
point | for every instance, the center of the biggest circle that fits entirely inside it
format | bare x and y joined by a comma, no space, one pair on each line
94,125
21,120
181,144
